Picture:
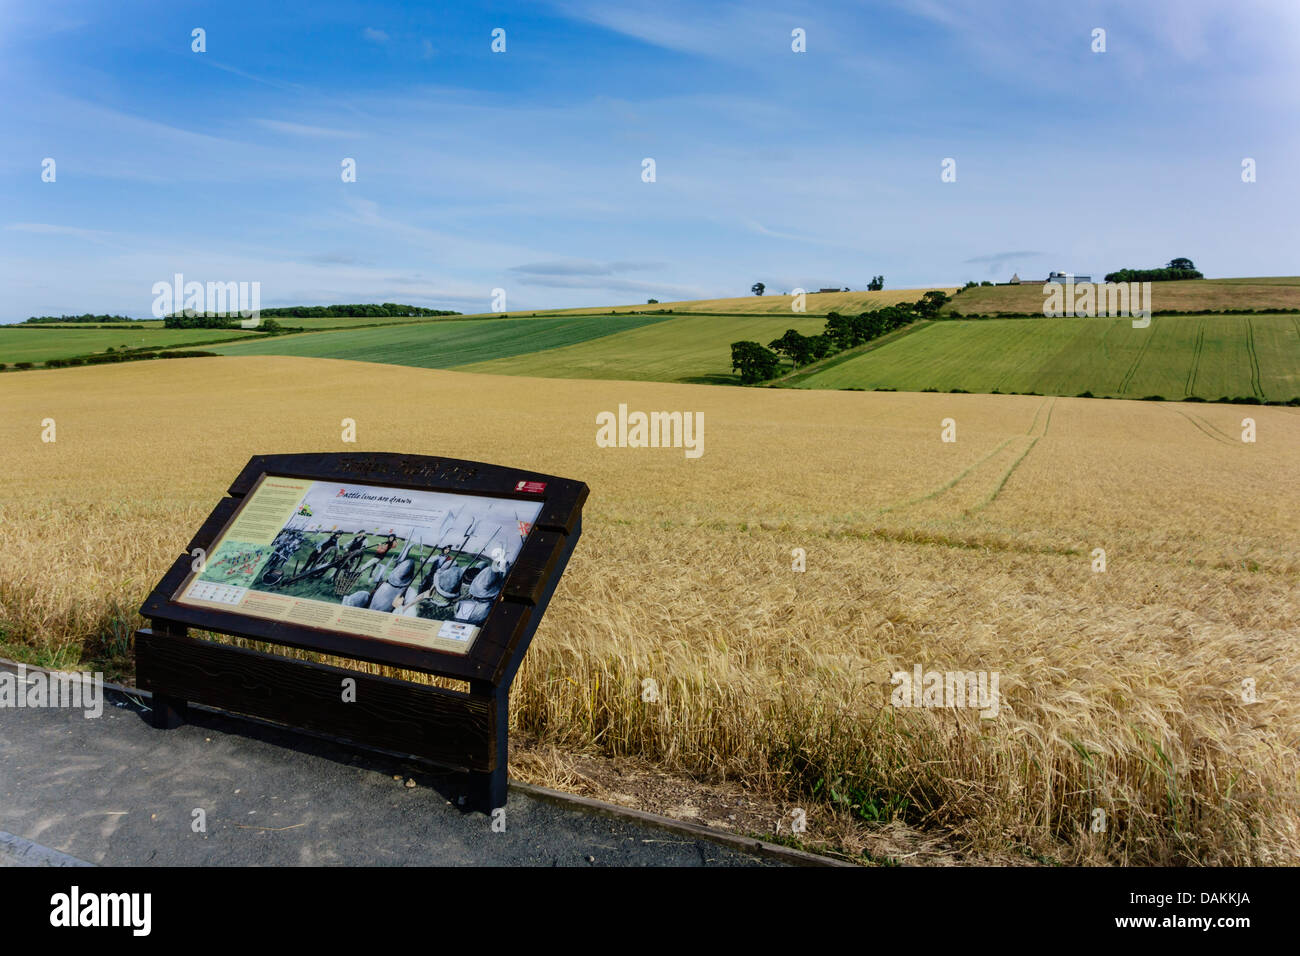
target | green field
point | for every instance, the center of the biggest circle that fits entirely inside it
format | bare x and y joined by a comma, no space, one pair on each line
681,349
58,340
36,344
355,321
443,344
1178,356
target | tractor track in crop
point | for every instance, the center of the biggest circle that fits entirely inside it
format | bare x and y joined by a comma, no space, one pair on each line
967,483
1132,369
1190,387
1255,382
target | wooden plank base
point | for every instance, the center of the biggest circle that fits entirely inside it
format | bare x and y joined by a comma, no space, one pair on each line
449,728
168,712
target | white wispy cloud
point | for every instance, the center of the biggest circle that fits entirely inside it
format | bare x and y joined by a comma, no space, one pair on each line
100,236
584,267
263,80
300,129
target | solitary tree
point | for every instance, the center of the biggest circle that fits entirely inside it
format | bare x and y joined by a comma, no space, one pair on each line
931,303
876,284
757,288
754,362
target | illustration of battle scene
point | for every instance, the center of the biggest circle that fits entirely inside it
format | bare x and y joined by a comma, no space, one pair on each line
449,568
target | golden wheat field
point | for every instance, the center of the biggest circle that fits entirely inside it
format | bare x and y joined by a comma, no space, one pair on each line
815,303
1189,295
1121,691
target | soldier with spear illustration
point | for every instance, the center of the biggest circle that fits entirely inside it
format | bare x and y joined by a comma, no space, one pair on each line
398,580
444,586
436,561
441,585
484,586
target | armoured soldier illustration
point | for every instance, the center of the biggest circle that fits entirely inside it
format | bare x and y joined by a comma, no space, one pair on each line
446,584
450,582
398,580
482,591
416,595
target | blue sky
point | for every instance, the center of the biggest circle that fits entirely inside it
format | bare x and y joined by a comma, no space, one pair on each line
522,170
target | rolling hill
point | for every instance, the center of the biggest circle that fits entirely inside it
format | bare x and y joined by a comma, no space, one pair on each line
692,348
38,343
1207,357
816,303
1210,357
443,344
1194,295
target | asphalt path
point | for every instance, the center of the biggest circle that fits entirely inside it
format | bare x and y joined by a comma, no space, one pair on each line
114,791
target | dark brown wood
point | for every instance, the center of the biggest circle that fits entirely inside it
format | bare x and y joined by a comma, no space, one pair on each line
466,731
544,553
562,499
487,790
446,727
211,529
507,664
534,567
166,712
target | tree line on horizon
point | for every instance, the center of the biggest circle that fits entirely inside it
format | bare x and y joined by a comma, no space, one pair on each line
1170,273
218,320
77,319
180,320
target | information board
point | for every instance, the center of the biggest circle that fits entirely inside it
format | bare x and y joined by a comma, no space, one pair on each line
422,568
432,565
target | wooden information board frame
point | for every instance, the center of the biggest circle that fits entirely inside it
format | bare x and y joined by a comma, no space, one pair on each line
459,730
